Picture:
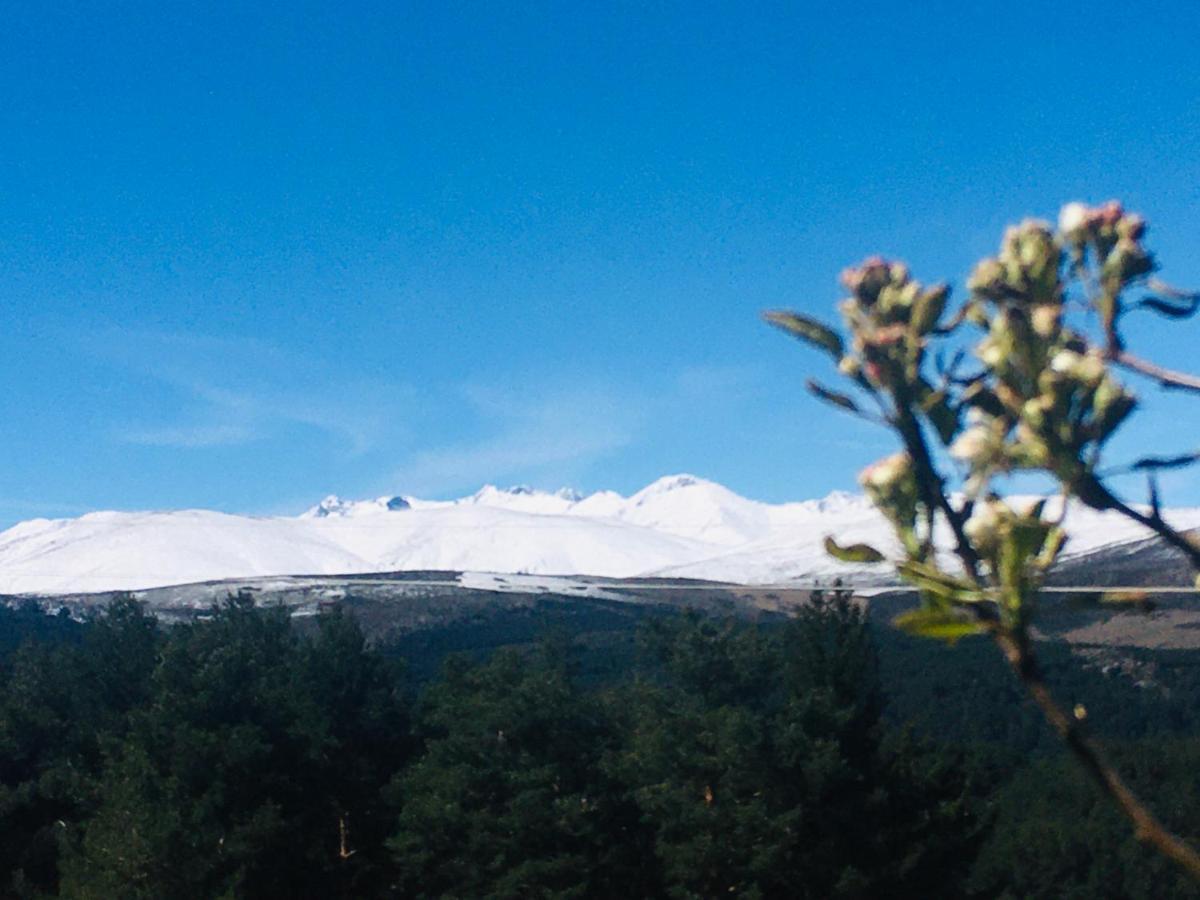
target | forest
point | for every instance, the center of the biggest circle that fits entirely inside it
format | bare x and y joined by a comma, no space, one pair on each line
824,756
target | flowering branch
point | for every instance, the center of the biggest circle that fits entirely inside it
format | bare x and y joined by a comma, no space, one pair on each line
1044,400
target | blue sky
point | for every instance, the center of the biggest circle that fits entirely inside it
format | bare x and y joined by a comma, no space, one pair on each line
251,254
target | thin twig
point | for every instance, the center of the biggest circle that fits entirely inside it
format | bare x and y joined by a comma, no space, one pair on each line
1146,826
930,483
1168,378
1023,662
1100,497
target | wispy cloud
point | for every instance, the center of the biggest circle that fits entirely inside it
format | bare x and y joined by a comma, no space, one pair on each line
195,435
21,507
529,434
723,382
236,390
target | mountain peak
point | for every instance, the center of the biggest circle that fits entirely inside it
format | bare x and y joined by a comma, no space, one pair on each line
333,505
673,483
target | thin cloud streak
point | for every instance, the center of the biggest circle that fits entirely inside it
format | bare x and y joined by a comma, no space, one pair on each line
528,436
240,390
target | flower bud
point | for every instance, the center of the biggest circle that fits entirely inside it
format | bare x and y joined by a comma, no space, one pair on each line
1127,260
866,281
974,445
1090,369
1034,411
887,473
1074,220
1131,226
984,526
987,279
1045,319
1035,246
1028,451
1108,215
1110,405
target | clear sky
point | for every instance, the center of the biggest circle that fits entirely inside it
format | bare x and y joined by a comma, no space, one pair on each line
251,254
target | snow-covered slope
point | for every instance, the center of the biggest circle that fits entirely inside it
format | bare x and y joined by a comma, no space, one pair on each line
679,526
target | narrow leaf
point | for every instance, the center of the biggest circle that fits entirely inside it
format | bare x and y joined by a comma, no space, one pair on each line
938,583
1051,548
928,309
833,398
1172,310
942,415
945,625
1140,599
809,330
1165,462
854,553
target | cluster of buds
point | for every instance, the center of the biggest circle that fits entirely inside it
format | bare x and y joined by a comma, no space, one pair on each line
1043,417
983,445
1026,271
1049,397
891,485
1114,235
1016,545
1079,401
890,316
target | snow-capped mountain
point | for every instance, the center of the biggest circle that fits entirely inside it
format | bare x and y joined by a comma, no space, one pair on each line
678,526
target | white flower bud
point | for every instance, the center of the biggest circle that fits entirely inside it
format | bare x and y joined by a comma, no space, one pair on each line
973,445
1065,362
990,352
1073,220
981,528
1045,319
882,475
850,366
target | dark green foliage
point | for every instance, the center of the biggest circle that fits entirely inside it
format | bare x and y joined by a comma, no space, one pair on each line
25,621
243,756
1057,837
62,703
966,694
254,770
508,799
761,765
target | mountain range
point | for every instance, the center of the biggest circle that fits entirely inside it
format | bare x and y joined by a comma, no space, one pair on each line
679,526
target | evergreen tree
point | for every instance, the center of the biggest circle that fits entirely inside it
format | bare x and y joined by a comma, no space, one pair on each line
776,781
244,775
61,704
508,800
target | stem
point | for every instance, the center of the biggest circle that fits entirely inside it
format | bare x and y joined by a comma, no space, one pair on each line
1168,378
1100,497
1146,826
930,482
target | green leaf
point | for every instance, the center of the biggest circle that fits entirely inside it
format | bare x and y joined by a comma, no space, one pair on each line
808,330
855,553
1140,599
945,587
942,624
1051,547
928,309
942,415
1166,462
833,398
1171,310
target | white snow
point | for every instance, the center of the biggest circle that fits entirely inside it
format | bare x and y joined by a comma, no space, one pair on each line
679,526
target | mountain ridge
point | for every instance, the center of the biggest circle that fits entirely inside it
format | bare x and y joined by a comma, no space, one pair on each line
679,526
